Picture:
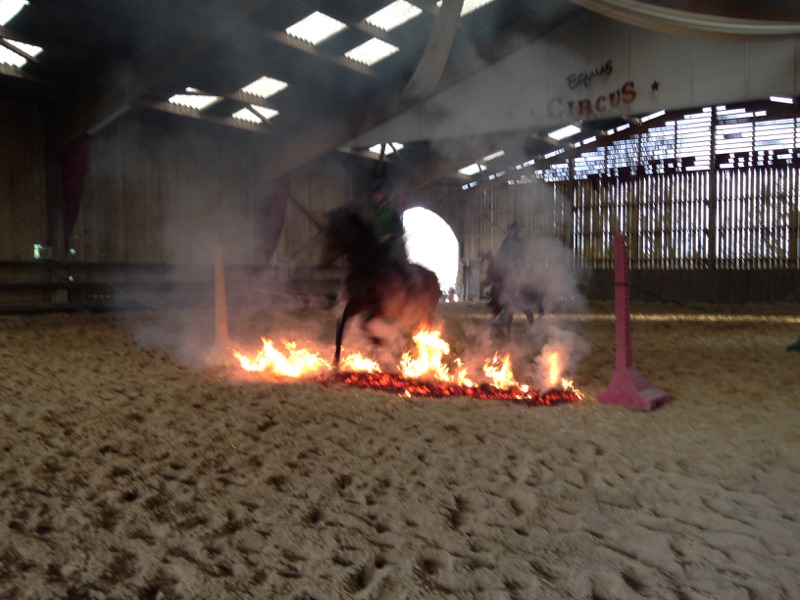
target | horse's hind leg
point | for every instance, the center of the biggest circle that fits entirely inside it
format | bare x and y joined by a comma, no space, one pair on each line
529,316
366,319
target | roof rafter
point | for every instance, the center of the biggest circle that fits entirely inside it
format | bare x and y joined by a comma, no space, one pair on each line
111,97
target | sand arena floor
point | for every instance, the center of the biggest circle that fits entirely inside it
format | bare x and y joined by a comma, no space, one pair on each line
130,470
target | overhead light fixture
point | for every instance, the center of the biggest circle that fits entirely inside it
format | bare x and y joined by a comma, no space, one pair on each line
564,132
371,51
393,15
782,99
316,28
264,87
9,9
194,99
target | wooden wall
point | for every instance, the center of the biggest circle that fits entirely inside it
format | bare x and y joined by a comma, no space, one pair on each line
22,181
169,192
163,193
23,213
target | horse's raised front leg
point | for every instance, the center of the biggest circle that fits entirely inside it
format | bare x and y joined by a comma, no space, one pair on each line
349,311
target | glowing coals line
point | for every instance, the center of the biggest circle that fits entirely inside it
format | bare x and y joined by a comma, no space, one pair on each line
426,359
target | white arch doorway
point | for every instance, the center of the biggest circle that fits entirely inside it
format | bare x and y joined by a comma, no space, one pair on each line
430,242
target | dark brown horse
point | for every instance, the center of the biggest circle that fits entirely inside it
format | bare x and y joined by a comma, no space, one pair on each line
508,294
377,285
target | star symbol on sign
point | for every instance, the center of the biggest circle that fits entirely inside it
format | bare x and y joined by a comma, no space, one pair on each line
654,86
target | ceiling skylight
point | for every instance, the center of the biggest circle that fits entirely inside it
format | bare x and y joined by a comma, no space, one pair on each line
469,5
316,28
194,99
254,114
654,115
371,51
564,132
470,170
9,57
390,148
9,9
493,155
264,87
394,15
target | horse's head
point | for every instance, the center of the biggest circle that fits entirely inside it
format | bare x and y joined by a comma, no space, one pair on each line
347,234
485,271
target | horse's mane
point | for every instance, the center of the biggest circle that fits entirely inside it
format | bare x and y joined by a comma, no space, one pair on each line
348,233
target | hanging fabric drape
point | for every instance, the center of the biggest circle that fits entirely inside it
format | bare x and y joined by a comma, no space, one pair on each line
692,24
275,214
437,50
73,166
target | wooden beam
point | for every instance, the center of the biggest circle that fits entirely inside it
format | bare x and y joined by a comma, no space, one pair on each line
191,113
334,59
118,91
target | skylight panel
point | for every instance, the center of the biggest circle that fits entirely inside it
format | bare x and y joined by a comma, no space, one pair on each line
193,99
493,155
390,148
9,9
264,87
564,132
469,5
9,57
470,170
254,114
654,115
394,15
371,51
316,28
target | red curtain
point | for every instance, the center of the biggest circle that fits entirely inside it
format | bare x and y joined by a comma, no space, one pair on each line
275,213
74,164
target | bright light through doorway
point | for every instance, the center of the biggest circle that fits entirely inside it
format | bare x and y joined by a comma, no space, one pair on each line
431,243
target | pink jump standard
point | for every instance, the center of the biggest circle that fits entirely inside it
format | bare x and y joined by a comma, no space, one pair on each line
628,387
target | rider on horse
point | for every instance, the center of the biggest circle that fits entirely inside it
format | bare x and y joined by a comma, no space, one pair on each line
387,223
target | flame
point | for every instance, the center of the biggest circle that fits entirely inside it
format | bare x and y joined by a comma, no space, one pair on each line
417,369
294,363
431,348
554,370
360,363
498,370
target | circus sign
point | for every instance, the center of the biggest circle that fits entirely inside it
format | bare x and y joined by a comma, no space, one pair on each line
583,79
588,107
560,108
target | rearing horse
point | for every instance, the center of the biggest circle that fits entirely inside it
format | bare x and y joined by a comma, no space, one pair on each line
375,285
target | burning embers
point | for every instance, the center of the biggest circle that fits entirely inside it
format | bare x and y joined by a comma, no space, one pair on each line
423,371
